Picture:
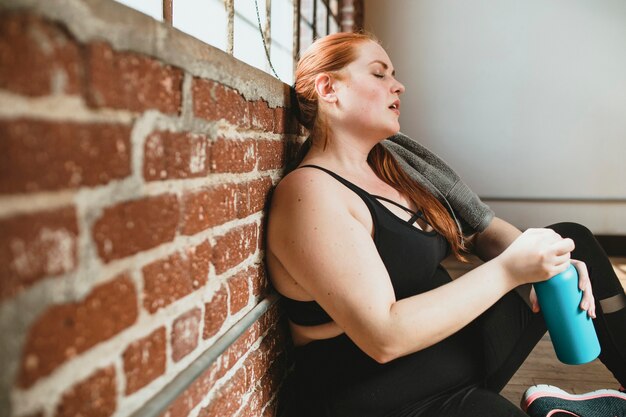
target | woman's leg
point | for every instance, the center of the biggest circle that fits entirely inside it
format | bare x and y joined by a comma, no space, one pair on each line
510,330
610,323
474,402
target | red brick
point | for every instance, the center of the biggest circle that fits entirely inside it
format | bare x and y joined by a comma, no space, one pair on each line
37,57
270,317
185,333
266,388
261,115
95,396
254,406
271,409
39,155
134,226
35,246
144,360
175,155
215,313
262,233
271,348
222,203
130,81
285,121
271,154
254,196
232,156
260,283
275,374
234,247
235,351
192,395
228,399
239,348
67,330
214,101
257,364
209,207
262,402
238,288
172,278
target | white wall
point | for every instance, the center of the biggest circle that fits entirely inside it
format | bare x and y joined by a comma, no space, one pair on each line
525,99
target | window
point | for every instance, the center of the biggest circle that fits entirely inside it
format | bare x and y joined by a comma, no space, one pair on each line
206,20
247,41
281,51
289,26
316,18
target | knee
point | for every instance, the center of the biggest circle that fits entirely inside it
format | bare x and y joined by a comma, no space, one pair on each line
574,231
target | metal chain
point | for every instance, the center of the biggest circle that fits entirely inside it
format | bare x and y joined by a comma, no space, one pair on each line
267,52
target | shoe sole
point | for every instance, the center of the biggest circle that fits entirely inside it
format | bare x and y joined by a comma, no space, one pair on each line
539,391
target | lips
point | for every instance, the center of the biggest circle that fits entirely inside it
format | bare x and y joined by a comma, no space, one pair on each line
395,107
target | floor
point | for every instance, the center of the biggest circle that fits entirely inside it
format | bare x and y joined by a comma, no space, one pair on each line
542,366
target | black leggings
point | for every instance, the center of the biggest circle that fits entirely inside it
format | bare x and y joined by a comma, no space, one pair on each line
510,331
333,376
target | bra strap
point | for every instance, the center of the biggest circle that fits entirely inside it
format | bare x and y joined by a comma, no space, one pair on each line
408,210
339,178
359,190
415,217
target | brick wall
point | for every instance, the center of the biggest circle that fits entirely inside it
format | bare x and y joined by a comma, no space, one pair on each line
135,163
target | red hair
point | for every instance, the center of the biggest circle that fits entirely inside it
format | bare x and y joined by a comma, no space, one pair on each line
329,55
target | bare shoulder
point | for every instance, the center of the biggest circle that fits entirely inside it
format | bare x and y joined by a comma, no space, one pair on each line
307,202
306,193
311,183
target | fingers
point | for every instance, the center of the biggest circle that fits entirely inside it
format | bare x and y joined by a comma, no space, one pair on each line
559,254
558,258
563,246
537,255
534,302
584,283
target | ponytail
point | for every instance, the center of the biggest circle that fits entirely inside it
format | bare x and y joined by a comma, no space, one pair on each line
387,169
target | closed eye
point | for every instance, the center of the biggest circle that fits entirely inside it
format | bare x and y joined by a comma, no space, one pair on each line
379,75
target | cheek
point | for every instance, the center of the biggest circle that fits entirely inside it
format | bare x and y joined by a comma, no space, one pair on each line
369,99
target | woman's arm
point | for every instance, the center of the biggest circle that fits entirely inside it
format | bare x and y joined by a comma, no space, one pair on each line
315,233
492,241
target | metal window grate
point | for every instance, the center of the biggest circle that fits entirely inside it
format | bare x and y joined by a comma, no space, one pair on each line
311,19
315,18
167,11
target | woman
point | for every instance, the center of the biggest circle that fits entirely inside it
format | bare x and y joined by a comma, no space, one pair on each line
355,245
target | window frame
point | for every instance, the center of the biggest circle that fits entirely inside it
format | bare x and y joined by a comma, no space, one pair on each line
315,28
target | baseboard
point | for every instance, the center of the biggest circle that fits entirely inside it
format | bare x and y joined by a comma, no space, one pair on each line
614,245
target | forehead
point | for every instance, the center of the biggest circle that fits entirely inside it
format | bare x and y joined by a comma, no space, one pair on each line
371,51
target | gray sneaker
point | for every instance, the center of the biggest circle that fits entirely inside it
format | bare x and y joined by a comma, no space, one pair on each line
549,401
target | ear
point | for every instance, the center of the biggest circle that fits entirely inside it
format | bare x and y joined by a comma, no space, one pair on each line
325,88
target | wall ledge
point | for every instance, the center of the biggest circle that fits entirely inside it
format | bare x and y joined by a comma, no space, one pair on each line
129,30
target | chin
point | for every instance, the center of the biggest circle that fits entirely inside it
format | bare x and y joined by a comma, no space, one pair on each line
386,133
393,130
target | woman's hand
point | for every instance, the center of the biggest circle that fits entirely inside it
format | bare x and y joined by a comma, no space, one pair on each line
587,303
536,255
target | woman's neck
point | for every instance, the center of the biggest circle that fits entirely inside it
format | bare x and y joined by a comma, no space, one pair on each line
341,152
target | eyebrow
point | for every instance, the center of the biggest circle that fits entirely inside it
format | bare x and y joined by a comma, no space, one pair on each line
385,66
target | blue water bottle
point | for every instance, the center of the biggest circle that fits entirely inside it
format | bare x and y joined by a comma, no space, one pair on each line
571,329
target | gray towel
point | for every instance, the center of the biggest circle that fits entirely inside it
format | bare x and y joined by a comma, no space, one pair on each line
470,213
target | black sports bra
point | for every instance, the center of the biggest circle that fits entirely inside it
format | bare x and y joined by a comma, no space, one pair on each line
411,256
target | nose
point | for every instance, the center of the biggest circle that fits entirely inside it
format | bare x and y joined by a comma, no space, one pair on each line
398,87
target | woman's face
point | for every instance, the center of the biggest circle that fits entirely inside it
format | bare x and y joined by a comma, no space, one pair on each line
368,93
